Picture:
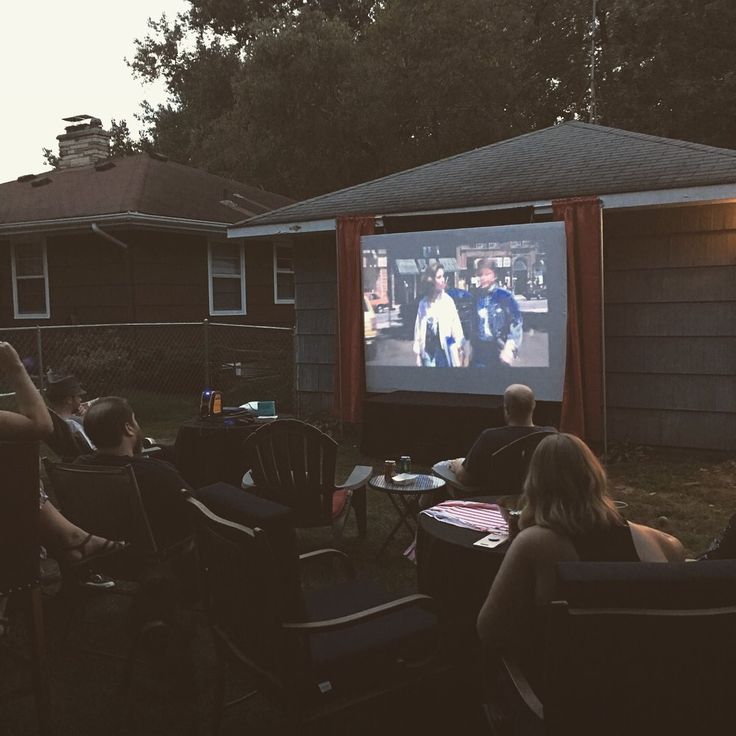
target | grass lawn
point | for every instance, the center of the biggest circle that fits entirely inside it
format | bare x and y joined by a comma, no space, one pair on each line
690,494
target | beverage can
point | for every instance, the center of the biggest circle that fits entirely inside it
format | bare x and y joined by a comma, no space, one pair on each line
389,470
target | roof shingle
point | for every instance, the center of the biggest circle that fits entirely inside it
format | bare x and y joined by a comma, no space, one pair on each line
138,183
566,160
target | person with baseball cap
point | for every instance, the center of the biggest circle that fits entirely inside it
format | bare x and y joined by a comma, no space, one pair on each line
64,394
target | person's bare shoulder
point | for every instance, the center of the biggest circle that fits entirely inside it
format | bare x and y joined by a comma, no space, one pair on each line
652,544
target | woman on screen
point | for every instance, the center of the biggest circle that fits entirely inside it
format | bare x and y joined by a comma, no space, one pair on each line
437,330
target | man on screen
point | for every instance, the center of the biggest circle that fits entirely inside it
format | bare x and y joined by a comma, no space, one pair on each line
518,411
498,322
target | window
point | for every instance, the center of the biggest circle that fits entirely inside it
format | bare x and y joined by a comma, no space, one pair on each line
30,280
226,264
283,274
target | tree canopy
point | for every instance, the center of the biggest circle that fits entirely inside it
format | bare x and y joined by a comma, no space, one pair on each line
306,96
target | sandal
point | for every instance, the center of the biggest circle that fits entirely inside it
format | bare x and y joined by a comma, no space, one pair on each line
109,547
97,581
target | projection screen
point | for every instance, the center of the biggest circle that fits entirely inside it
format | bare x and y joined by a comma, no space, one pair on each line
466,311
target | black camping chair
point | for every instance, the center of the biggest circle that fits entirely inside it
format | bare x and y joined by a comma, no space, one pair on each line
510,463
106,501
293,463
315,653
20,566
633,648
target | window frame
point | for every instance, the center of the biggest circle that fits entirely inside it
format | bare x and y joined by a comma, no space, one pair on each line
277,271
210,276
15,278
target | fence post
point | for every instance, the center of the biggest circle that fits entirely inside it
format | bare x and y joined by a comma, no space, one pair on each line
206,328
39,352
294,375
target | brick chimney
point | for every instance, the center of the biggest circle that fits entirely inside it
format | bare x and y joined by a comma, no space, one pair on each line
83,143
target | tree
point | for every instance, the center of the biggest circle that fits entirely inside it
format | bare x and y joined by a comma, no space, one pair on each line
670,73
305,96
198,74
121,141
50,158
291,126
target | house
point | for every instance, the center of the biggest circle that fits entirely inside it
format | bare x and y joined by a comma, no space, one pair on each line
669,256
135,239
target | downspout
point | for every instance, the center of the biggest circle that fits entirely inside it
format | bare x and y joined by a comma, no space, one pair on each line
97,230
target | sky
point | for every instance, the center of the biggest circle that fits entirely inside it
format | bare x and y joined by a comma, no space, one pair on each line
59,59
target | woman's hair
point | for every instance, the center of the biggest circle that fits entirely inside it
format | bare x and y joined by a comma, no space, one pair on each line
426,280
565,489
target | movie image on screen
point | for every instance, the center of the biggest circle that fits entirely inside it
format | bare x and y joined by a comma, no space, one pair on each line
466,311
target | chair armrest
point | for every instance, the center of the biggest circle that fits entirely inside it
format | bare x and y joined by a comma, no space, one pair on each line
248,483
442,470
523,688
359,476
329,552
342,622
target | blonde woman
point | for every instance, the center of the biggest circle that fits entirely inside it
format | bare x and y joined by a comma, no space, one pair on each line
567,515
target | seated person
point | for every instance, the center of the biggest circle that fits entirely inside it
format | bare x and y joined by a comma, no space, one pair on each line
68,544
518,409
111,425
64,394
567,515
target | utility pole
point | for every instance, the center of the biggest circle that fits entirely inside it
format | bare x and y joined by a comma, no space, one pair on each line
593,34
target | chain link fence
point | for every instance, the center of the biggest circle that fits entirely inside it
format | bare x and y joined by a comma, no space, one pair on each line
163,367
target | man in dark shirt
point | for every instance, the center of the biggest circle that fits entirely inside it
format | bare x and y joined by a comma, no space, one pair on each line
518,410
111,425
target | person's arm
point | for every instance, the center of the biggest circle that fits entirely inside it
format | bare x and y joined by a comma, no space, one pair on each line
457,467
32,420
418,337
456,334
508,610
653,545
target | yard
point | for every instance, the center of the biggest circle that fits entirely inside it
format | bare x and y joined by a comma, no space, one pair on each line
690,495
687,494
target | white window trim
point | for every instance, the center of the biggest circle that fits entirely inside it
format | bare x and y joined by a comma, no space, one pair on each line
30,315
277,271
210,276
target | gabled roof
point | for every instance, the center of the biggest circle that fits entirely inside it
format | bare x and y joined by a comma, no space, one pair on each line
566,160
144,184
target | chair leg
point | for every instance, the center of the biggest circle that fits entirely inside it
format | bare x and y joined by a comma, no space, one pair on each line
361,511
34,618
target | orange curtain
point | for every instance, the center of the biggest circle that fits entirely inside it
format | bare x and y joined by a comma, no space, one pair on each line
583,392
349,369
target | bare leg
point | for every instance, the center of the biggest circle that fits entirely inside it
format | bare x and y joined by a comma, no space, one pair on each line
59,534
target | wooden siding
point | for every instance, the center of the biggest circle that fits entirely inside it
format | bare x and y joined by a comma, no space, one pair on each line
670,308
316,297
90,280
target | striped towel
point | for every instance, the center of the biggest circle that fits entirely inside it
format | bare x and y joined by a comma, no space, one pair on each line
483,517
